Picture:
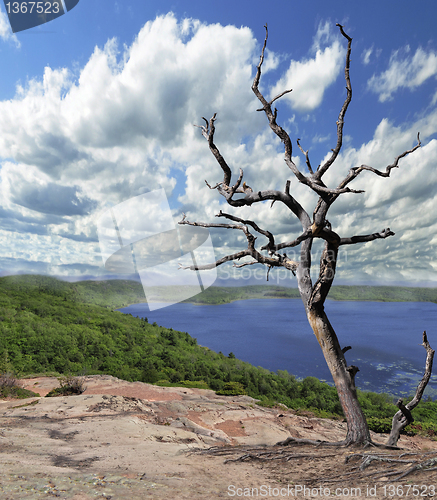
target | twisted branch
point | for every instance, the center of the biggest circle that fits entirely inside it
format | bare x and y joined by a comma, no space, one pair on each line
315,182
307,159
271,116
355,171
208,132
271,244
385,233
403,417
340,122
275,260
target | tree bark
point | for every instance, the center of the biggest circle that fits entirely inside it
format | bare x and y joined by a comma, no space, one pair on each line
403,417
343,376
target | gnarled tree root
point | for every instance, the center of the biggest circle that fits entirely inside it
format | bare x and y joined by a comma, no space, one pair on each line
357,466
395,474
279,451
344,443
259,453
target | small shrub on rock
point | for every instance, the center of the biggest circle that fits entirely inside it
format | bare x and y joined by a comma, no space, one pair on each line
68,386
232,389
10,387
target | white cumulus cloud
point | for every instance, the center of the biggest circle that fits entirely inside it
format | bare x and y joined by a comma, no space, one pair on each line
365,56
75,143
405,70
310,77
402,202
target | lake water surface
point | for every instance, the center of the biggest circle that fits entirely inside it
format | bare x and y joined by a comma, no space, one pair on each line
275,334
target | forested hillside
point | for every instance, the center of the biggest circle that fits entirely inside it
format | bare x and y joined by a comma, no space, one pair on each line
46,327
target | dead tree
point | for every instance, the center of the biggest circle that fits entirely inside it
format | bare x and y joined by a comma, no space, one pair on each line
272,254
403,417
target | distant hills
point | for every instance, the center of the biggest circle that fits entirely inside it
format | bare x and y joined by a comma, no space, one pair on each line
219,295
115,294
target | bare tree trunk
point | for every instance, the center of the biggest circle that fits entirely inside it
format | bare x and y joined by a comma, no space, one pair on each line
343,376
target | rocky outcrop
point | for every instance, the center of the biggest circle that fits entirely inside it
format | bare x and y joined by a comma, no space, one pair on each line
140,433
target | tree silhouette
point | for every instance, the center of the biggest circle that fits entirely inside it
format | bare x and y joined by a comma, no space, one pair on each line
316,226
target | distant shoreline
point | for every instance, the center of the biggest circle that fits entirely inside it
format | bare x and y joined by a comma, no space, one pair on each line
226,295
116,294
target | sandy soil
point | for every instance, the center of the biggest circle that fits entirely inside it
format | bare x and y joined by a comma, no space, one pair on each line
134,440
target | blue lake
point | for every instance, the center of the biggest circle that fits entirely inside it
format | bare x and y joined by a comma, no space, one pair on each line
275,334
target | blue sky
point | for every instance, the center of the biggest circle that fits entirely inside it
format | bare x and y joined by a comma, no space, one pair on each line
98,106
